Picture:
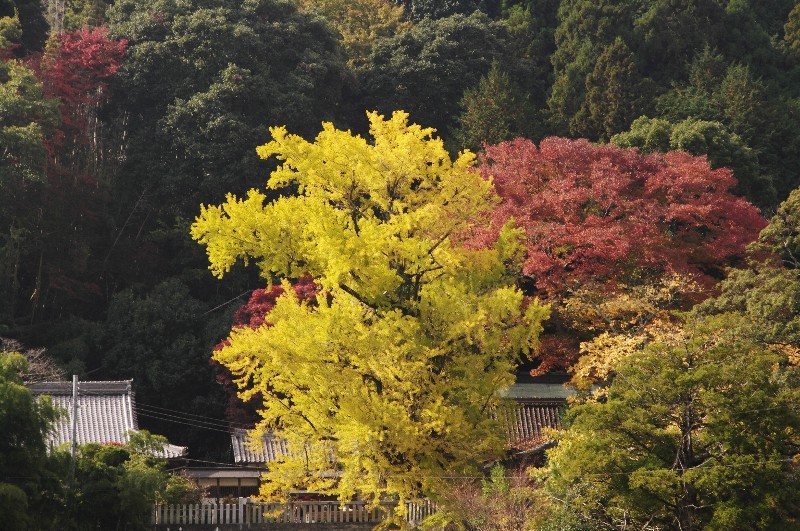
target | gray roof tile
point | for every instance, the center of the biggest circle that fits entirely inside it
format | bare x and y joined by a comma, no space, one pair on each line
247,450
106,413
524,422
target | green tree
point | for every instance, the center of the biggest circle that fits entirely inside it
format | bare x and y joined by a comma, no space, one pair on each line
702,137
161,338
751,33
615,93
791,33
70,15
32,21
782,235
82,13
117,485
200,80
750,107
585,29
493,111
698,434
25,116
396,365
427,69
531,30
671,32
664,37
24,423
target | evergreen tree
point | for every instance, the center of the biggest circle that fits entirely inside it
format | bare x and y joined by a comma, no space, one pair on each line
615,93
695,433
493,111
427,69
24,424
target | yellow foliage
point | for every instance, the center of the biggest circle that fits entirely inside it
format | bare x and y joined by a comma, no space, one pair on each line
627,321
792,352
602,355
628,307
395,367
359,22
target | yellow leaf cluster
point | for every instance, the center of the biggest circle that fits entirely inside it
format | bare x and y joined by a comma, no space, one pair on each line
626,321
628,307
387,380
359,22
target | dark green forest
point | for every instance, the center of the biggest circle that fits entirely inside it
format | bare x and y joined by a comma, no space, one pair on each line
118,119
641,159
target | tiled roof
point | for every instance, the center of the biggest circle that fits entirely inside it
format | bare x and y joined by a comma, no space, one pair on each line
247,450
524,422
105,413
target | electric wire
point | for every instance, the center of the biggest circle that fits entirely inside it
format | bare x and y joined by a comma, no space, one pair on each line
191,418
148,415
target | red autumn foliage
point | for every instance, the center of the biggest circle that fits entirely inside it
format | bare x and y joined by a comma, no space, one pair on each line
558,351
596,213
600,218
261,302
77,70
253,314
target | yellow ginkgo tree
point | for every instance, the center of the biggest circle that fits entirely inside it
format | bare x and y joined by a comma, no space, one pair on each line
385,383
359,23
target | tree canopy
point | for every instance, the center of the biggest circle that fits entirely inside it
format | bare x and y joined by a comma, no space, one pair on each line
418,331
24,422
696,433
599,213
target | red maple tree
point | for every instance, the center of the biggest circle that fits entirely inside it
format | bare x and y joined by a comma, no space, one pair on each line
76,68
598,212
599,219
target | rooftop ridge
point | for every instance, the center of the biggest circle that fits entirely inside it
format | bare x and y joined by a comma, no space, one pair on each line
94,387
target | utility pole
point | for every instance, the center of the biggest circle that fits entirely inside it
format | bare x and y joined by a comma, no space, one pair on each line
74,426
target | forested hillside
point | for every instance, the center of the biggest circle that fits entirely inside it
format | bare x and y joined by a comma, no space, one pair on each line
638,145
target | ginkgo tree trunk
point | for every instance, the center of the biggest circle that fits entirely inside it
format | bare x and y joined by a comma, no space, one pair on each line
384,385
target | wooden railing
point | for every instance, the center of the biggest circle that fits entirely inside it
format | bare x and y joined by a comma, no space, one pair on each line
313,512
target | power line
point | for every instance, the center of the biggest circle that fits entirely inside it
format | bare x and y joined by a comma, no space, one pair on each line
153,416
188,417
227,302
236,465
166,413
183,420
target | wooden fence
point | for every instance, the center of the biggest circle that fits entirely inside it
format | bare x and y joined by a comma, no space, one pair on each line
313,512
